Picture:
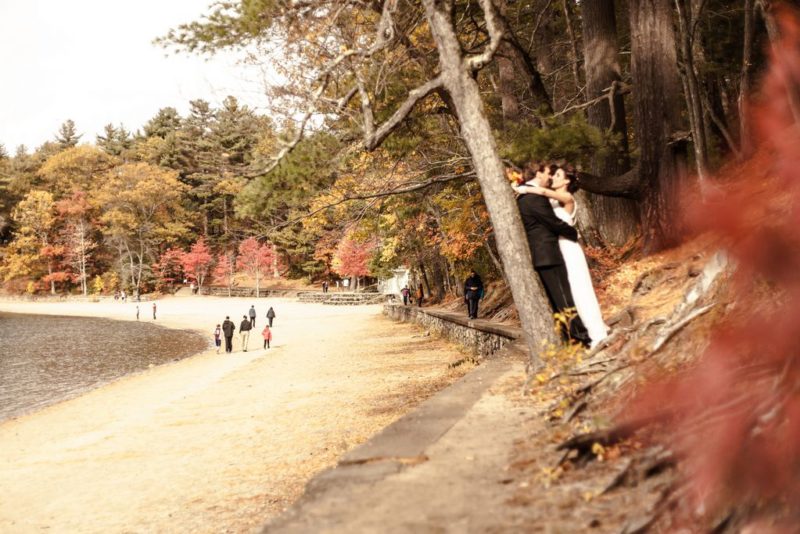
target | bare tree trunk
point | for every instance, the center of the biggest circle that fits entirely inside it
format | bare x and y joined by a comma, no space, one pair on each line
773,31
692,90
657,112
573,41
506,87
607,219
745,132
534,310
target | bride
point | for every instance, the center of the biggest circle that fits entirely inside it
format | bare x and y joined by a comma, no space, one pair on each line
560,191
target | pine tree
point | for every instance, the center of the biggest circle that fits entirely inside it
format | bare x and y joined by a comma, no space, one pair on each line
68,135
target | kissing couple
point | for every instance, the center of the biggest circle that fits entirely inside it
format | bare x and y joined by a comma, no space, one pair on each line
548,209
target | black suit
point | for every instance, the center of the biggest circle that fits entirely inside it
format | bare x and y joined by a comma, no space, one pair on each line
543,229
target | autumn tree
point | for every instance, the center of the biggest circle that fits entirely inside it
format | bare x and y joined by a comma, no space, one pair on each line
27,254
351,258
77,168
168,270
198,262
141,211
76,235
225,270
255,259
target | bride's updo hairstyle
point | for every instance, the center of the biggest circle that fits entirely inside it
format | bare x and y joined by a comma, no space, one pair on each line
574,184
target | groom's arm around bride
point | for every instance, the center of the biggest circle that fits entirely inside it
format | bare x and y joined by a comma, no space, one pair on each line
543,228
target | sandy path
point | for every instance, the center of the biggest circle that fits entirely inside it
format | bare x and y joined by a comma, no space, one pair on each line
214,443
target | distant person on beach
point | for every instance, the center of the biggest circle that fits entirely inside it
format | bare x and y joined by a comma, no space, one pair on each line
406,295
218,337
270,315
267,335
228,328
154,311
244,332
473,291
252,314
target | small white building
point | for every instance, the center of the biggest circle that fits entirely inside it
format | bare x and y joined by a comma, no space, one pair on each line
393,285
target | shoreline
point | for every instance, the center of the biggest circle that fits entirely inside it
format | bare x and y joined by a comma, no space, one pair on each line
214,442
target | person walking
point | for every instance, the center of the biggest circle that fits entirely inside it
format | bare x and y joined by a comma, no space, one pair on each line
244,332
473,291
154,311
406,294
252,314
267,335
137,312
218,337
228,328
420,295
270,315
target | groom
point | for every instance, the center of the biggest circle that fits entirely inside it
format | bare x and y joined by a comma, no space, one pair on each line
543,229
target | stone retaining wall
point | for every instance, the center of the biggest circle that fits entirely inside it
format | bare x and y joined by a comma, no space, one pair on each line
483,337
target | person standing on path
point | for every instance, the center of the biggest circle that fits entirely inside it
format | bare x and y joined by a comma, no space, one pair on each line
267,335
228,328
420,295
217,337
406,294
473,290
252,314
270,315
244,332
154,311
137,312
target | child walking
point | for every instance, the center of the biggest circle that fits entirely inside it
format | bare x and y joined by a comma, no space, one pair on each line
267,333
218,337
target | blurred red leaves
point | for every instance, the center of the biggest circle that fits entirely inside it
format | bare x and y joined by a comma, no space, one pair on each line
734,417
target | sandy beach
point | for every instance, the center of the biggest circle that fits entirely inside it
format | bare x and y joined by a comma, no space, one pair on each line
214,443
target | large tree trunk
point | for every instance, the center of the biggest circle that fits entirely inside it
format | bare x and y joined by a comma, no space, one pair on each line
506,85
657,113
614,220
534,310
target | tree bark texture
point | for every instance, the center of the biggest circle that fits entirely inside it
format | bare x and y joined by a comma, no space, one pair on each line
657,114
745,131
534,310
616,220
693,90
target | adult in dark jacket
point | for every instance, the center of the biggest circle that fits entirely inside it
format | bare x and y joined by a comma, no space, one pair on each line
244,332
543,228
228,328
270,315
252,313
473,291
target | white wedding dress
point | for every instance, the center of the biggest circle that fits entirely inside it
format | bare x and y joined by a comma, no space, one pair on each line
580,280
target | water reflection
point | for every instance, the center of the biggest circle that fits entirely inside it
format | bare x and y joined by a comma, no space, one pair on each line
46,359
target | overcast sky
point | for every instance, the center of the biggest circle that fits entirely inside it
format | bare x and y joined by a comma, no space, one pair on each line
93,61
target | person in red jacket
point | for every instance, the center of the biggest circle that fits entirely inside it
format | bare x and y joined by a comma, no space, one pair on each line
267,335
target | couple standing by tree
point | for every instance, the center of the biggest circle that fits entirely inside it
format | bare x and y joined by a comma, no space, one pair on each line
548,210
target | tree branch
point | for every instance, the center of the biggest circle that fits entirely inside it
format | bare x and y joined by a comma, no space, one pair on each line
626,185
495,29
374,137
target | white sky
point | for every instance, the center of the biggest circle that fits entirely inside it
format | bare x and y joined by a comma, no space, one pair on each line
92,61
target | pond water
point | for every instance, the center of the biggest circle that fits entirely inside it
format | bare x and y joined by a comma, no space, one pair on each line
46,359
